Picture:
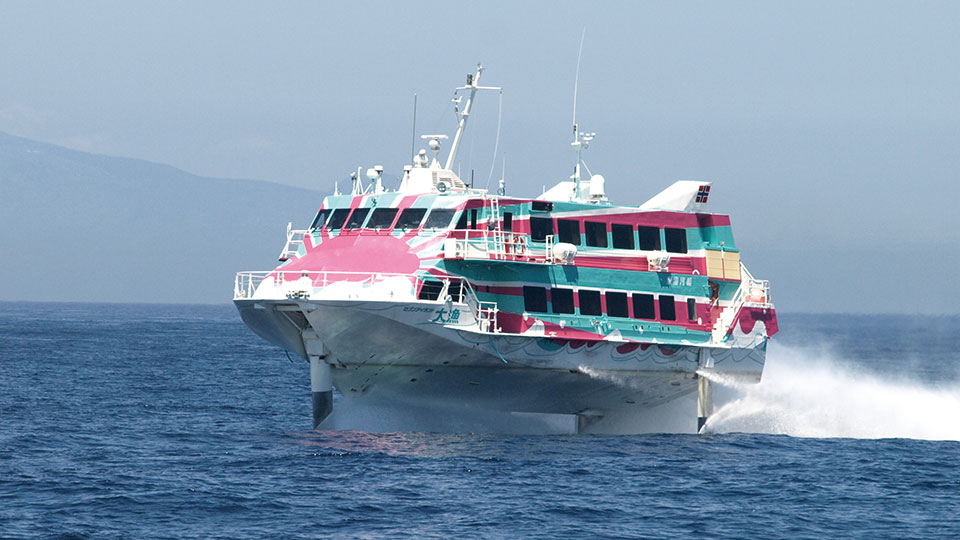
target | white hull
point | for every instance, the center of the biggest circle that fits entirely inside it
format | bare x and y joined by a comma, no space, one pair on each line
393,354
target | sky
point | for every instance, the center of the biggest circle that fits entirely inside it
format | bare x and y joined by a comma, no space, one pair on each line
831,130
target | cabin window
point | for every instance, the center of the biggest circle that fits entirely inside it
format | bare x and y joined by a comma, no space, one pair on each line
507,221
617,304
643,306
382,218
462,222
535,299
561,300
541,206
622,236
430,290
590,303
321,218
473,218
540,228
691,309
357,218
596,233
649,238
676,240
410,218
668,310
337,219
439,218
568,230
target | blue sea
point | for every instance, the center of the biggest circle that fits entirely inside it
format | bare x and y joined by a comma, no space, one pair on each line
170,421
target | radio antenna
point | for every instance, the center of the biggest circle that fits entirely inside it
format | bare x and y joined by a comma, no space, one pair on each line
413,137
576,82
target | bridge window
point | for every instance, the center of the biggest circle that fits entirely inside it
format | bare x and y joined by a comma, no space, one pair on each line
561,300
337,219
668,310
382,218
439,218
649,238
643,306
676,240
410,218
590,303
568,230
691,309
321,218
622,236
535,299
617,304
540,228
596,233
357,218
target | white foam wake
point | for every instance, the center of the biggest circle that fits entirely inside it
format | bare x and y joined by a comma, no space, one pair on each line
812,394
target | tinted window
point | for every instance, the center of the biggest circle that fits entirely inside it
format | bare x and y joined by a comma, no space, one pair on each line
439,218
540,228
320,219
643,306
462,222
692,309
622,236
561,300
410,218
507,221
676,240
382,218
541,206
649,238
356,218
535,299
568,230
430,290
473,218
596,233
337,219
590,303
668,310
617,304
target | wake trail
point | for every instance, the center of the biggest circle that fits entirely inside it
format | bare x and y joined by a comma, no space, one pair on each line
813,394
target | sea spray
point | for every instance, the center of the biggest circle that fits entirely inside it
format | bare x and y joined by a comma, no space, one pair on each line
810,393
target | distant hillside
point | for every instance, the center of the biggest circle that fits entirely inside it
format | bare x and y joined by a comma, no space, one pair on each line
83,227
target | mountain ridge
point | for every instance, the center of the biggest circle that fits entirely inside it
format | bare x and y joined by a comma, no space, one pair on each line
98,228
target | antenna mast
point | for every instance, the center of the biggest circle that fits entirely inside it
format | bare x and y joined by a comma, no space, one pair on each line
473,84
577,144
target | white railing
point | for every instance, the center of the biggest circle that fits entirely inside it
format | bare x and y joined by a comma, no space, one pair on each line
294,241
485,244
487,317
753,292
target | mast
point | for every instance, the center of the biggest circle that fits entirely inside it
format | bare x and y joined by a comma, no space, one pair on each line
473,84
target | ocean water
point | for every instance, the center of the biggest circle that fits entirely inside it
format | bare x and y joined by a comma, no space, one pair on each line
157,421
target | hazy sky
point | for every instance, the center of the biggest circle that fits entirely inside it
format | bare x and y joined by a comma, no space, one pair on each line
829,129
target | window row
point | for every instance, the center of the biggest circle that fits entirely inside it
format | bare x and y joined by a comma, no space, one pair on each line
618,304
623,236
411,218
381,218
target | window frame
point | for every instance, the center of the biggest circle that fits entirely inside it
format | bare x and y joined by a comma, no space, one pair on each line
626,303
590,294
568,235
590,229
529,291
396,212
631,235
569,309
